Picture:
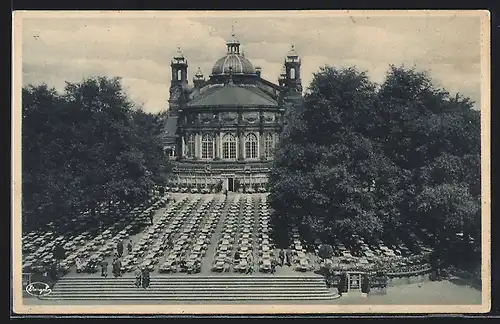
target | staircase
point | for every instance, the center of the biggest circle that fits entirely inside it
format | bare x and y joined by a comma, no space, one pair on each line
194,288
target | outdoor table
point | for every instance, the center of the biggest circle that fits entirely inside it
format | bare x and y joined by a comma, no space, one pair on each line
243,248
266,264
246,230
266,255
219,265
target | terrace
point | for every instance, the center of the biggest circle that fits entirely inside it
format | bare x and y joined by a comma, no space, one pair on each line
210,234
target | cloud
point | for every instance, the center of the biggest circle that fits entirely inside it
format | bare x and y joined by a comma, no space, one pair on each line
139,50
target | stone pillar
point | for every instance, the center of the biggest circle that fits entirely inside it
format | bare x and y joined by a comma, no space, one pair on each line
178,147
241,144
182,153
197,145
217,145
261,145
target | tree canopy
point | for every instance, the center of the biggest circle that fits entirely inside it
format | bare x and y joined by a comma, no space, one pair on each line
358,158
86,146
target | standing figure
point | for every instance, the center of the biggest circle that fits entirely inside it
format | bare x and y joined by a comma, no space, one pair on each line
78,263
151,218
145,278
119,249
119,267
138,277
104,268
273,266
282,257
129,246
113,265
288,257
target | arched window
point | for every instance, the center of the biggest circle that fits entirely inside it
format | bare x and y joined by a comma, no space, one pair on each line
229,147
179,75
207,146
251,146
292,73
190,147
269,145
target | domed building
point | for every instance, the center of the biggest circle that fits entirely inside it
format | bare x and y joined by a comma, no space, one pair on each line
222,132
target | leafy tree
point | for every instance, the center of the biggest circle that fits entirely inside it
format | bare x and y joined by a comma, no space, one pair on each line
378,161
86,147
325,166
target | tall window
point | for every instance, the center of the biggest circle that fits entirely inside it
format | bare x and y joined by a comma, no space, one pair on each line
292,73
179,75
229,147
190,147
207,146
251,146
269,145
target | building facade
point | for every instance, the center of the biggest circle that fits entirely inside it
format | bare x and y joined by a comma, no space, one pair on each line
222,132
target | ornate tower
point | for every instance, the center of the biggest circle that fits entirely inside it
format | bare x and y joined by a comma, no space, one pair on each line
198,79
290,82
282,77
179,80
292,71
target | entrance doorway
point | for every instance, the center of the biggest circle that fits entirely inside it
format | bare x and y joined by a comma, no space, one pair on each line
230,184
354,281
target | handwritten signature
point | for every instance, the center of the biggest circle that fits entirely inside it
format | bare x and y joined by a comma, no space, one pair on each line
38,289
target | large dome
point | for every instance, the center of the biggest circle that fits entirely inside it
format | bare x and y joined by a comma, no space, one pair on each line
237,63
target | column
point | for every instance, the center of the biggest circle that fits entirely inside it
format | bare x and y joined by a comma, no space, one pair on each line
197,145
182,153
217,145
261,145
178,147
241,144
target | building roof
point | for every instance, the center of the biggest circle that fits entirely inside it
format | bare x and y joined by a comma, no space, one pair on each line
233,95
236,63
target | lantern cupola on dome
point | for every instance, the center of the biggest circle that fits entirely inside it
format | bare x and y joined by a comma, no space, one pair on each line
233,61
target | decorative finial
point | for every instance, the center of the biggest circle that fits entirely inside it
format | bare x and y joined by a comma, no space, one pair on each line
232,29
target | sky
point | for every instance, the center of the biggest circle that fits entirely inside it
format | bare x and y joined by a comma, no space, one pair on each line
61,48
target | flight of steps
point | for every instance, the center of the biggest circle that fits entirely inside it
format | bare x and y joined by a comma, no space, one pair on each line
194,288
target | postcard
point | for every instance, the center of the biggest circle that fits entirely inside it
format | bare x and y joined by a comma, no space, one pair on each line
251,162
